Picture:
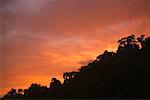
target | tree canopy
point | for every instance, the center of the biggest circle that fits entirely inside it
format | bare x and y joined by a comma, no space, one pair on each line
124,74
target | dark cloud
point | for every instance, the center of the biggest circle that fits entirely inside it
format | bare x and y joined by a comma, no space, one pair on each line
71,17
86,62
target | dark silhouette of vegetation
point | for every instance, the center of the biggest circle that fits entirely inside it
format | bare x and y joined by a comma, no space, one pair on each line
127,45
124,74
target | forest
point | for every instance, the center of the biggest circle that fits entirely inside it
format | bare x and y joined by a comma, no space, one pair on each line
124,74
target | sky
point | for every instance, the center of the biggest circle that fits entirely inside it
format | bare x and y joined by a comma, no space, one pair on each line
41,39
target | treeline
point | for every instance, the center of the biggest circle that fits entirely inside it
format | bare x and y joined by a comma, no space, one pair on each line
124,74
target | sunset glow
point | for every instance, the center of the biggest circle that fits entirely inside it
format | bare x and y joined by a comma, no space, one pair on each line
42,39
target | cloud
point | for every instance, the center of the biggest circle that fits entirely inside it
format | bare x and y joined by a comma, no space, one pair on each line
40,36
71,17
85,62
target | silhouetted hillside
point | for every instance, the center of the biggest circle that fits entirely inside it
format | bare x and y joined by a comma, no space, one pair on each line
124,74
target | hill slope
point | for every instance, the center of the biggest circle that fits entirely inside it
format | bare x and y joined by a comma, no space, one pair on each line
125,74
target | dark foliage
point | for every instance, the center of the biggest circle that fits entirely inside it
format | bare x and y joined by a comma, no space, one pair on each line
125,74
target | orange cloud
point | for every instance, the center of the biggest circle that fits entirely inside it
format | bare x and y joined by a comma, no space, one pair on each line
44,38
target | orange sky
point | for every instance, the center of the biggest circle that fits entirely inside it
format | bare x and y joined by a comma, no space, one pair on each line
42,39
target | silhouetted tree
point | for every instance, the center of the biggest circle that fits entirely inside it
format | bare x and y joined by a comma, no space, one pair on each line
69,75
129,45
34,90
147,43
20,91
130,40
124,74
105,55
26,92
55,83
11,94
122,42
141,40
146,47
55,87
